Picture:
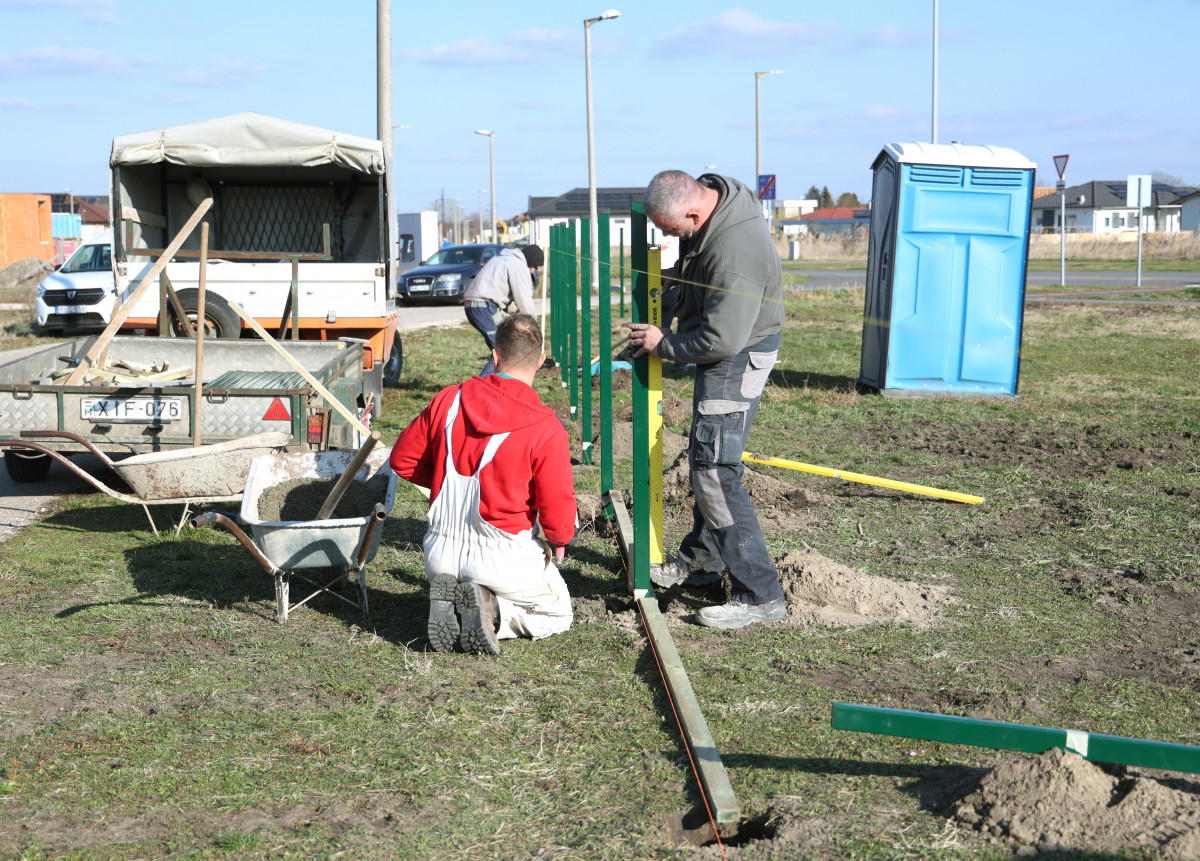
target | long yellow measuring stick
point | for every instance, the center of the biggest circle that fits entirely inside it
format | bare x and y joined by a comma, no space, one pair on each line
864,479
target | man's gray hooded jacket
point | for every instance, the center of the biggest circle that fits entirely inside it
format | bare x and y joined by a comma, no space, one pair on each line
505,275
731,281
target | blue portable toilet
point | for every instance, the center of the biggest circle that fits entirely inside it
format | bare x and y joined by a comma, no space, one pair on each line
946,262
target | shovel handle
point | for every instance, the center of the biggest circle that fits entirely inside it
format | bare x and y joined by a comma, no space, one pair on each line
339,489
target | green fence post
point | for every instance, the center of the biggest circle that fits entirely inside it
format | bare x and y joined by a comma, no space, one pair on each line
640,311
622,273
585,337
573,318
605,314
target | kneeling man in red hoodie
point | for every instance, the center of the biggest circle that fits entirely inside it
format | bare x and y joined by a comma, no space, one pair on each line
497,463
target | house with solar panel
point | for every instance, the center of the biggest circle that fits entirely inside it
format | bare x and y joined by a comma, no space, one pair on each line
545,212
1102,207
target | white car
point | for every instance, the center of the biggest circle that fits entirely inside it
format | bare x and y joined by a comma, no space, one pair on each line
82,292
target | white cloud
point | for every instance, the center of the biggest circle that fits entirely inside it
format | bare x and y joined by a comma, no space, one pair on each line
19,103
51,61
92,11
219,71
891,36
520,47
740,33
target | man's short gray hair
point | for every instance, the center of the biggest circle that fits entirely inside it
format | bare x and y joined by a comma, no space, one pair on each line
670,192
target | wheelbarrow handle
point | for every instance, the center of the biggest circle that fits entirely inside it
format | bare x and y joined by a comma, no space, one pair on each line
377,517
66,461
211,517
74,437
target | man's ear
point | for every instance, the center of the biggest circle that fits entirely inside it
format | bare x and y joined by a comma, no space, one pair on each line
541,361
495,357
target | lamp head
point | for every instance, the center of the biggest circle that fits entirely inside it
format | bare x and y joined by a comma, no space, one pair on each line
611,13
483,132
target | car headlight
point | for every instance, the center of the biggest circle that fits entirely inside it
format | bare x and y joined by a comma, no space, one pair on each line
41,290
448,282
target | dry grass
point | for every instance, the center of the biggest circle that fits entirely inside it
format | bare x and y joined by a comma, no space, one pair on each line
1080,246
1119,246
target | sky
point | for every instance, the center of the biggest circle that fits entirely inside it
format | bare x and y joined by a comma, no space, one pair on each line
673,85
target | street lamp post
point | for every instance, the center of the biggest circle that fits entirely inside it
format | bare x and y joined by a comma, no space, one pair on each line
758,126
491,173
482,192
605,295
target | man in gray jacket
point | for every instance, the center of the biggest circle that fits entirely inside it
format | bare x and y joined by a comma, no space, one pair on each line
730,313
506,277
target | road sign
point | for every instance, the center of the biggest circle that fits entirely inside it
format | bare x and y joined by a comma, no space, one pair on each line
1061,187
1137,191
1060,164
766,186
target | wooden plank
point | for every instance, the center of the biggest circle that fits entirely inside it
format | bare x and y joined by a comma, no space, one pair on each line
1015,736
119,314
150,219
347,414
723,804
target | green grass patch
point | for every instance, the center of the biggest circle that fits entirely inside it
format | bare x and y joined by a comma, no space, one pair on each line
154,708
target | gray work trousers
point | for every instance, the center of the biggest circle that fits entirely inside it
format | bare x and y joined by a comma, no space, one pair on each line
725,528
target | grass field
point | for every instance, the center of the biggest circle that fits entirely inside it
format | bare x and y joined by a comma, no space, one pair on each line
150,706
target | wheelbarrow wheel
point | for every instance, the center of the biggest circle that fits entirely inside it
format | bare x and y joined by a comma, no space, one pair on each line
26,468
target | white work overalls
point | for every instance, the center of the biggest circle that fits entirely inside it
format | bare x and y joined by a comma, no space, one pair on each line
533,598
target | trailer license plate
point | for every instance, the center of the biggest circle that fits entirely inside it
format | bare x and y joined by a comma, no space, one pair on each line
136,409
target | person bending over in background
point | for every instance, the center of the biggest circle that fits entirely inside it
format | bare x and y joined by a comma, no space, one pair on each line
729,315
496,462
506,277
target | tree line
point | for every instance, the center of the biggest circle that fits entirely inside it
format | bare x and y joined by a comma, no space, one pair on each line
825,200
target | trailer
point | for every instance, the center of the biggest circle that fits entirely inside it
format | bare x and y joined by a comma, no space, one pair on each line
302,233
126,416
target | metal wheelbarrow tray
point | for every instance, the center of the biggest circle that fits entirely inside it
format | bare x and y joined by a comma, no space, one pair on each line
283,546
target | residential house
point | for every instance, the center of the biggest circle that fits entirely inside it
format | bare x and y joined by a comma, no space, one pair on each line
1101,207
1189,212
830,220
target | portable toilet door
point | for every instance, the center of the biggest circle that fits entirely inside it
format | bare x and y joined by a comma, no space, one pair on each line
946,261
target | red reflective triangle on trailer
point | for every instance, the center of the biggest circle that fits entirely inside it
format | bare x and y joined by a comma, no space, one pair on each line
277,412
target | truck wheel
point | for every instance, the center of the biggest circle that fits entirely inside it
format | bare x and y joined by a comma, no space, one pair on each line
26,468
394,364
219,319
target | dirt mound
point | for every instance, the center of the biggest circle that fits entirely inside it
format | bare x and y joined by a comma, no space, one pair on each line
28,269
823,593
781,507
1058,801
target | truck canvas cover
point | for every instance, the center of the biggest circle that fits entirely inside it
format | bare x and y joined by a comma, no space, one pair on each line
249,139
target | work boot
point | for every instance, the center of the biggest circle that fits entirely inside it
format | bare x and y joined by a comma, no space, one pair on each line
675,573
443,626
737,614
479,614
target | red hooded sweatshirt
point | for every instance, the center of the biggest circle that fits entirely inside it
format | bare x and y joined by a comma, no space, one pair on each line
530,476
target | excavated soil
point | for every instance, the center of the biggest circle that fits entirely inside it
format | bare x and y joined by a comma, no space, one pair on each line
1058,801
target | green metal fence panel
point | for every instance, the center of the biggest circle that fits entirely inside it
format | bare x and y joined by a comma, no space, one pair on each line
572,300
1015,736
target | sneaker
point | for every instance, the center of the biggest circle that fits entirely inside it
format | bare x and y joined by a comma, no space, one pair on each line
736,614
673,573
443,626
479,614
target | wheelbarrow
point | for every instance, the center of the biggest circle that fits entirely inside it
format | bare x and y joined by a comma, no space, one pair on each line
284,547
187,476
